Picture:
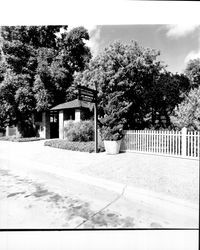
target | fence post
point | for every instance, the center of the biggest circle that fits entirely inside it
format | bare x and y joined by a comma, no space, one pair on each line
7,131
184,145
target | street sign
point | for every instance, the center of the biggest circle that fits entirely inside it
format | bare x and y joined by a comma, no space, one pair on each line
90,95
87,99
87,94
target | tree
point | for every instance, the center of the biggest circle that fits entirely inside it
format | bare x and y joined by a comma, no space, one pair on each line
187,113
122,68
164,94
114,119
36,68
141,79
193,72
55,71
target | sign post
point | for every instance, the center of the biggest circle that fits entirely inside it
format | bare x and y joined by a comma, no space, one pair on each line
95,128
90,95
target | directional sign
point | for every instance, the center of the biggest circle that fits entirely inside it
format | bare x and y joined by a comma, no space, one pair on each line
87,99
87,89
90,95
86,94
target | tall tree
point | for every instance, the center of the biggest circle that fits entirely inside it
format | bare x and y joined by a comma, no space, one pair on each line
58,67
124,68
145,86
37,64
161,98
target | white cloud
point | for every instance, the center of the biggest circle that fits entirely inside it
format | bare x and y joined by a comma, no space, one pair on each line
180,30
175,31
94,41
192,55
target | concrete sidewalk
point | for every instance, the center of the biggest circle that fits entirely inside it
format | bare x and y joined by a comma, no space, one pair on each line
175,212
166,176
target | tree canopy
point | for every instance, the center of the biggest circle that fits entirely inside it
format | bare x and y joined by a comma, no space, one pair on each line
140,81
193,72
187,113
37,64
41,66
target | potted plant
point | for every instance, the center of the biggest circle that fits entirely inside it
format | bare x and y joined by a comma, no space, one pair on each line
112,138
113,121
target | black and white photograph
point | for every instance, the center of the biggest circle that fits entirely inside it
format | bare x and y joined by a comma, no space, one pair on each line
100,120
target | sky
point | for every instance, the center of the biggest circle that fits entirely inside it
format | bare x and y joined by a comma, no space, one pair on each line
177,43
100,240
173,27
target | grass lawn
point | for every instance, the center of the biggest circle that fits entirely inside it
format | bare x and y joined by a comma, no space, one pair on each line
74,146
20,139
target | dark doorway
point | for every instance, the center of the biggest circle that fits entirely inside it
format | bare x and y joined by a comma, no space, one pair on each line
54,124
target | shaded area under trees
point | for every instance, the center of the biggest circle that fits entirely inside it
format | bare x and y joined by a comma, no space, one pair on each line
37,64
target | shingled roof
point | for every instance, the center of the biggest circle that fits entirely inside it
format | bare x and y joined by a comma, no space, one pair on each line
72,104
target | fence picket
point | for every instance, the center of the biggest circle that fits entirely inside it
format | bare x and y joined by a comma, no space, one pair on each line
198,144
147,140
187,148
158,142
178,143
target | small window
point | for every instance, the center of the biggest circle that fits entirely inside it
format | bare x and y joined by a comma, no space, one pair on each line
54,117
69,114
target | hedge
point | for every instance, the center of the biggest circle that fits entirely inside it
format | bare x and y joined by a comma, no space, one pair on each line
74,146
20,139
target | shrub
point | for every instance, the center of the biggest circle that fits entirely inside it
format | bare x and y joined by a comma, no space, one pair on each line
74,146
20,139
112,134
27,139
112,123
82,131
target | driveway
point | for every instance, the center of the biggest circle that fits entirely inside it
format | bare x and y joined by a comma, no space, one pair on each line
38,180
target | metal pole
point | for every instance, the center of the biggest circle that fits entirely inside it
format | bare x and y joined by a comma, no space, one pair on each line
95,127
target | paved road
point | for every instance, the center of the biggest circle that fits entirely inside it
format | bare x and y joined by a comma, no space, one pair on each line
35,193
28,203
35,199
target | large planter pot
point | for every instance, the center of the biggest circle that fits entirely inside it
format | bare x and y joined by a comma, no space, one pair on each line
112,147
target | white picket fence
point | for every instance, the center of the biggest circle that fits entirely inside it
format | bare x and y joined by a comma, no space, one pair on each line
176,143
